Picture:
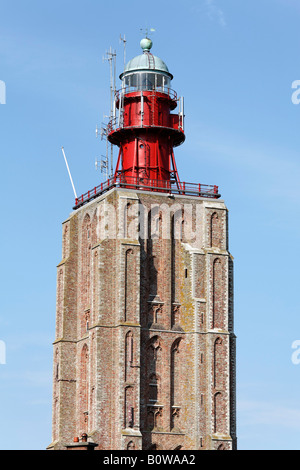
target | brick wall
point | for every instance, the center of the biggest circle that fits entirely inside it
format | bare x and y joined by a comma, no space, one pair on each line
144,354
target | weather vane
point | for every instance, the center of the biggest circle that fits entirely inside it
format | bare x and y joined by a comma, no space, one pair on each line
144,31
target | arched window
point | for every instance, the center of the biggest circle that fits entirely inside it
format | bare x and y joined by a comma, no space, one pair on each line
176,379
153,384
219,417
60,303
126,220
65,251
130,285
154,355
86,261
154,418
218,289
175,373
94,228
84,322
153,389
83,387
218,363
215,231
56,365
128,354
129,408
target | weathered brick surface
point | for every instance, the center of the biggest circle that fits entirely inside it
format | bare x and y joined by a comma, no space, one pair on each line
144,354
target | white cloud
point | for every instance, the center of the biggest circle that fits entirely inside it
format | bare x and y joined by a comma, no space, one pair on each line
214,12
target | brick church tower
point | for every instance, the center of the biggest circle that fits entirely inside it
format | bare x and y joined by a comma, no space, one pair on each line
144,353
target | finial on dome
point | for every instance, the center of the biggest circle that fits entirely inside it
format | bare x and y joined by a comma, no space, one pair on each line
146,44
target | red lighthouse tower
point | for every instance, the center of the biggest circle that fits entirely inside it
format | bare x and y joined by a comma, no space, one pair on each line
144,127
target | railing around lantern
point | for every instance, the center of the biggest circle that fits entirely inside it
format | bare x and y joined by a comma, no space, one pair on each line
147,184
158,89
117,121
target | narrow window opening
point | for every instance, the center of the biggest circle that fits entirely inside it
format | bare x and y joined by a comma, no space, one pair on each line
131,422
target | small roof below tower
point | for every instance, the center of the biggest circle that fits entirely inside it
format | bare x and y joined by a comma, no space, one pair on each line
146,61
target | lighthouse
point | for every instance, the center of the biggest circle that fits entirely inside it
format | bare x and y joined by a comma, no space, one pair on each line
145,129
144,349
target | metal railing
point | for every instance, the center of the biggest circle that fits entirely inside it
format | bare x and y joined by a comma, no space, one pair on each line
117,119
152,185
136,89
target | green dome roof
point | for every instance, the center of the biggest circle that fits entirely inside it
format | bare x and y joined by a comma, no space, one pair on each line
146,61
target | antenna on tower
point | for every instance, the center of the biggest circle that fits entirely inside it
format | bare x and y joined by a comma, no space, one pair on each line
69,172
124,42
111,58
103,163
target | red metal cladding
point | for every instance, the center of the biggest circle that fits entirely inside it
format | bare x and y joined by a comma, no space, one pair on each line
147,135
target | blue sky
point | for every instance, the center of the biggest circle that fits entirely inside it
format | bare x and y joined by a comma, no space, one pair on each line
234,62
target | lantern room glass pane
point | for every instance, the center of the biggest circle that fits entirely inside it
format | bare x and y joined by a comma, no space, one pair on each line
147,81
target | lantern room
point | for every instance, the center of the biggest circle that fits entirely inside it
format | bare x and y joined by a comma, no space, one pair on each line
146,72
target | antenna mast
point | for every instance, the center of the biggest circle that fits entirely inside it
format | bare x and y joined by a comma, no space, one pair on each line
103,164
111,57
69,172
124,42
